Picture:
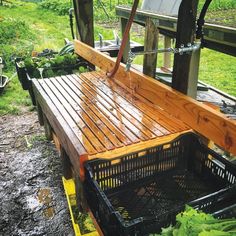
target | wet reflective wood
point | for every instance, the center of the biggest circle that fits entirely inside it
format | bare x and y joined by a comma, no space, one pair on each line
102,117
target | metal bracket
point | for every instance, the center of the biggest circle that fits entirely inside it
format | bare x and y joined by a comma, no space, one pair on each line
188,49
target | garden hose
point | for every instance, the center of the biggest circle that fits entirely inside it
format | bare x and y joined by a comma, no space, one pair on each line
71,22
201,20
110,74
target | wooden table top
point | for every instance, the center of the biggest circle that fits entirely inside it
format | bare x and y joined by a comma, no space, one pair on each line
104,118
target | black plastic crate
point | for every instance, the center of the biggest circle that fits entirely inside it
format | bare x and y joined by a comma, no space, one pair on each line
139,193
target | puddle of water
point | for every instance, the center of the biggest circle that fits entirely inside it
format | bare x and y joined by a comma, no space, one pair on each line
45,198
32,203
49,212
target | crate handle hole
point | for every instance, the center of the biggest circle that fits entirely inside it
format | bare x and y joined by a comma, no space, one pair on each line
166,146
116,161
143,153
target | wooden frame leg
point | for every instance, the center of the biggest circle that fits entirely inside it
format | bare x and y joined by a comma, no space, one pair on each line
47,128
150,43
40,114
66,164
80,196
123,23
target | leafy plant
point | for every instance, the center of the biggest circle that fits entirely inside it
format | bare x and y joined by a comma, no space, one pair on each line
196,223
51,66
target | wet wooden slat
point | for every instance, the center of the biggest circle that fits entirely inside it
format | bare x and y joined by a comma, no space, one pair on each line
102,131
60,126
102,118
121,120
89,99
164,120
82,119
128,120
128,109
85,134
79,134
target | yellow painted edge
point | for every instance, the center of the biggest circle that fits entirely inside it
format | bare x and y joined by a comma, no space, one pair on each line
69,187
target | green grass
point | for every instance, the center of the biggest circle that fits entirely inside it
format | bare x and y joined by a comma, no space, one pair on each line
219,70
49,29
219,4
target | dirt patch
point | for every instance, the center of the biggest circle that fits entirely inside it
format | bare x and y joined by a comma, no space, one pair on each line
32,200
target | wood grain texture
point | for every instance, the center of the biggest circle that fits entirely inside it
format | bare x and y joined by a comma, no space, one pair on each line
185,33
150,44
60,127
137,147
98,116
201,118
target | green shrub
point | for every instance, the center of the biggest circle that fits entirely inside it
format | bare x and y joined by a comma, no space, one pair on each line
12,30
15,40
104,10
61,7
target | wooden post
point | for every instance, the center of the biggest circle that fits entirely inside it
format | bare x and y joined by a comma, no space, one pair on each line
150,43
40,113
183,71
84,15
47,128
193,74
66,164
79,192
125,56
167,56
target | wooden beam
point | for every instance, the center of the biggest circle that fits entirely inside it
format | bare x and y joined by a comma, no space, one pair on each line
47,128
186,28
66,164
137,146
203,119
123,23
216,37
74,149
84,20
150,43
167,56
39,113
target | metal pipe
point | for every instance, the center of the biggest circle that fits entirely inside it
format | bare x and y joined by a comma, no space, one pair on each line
124,40
71,22
201,20
100,40
188,49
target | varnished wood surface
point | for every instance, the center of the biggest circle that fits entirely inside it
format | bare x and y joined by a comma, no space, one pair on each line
102,117
201,118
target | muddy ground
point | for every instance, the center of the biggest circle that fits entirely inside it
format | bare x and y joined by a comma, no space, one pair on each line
32,200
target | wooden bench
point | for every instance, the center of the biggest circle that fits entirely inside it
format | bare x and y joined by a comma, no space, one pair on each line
93,117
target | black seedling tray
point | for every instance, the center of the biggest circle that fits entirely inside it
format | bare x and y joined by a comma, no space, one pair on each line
26,79
139,193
